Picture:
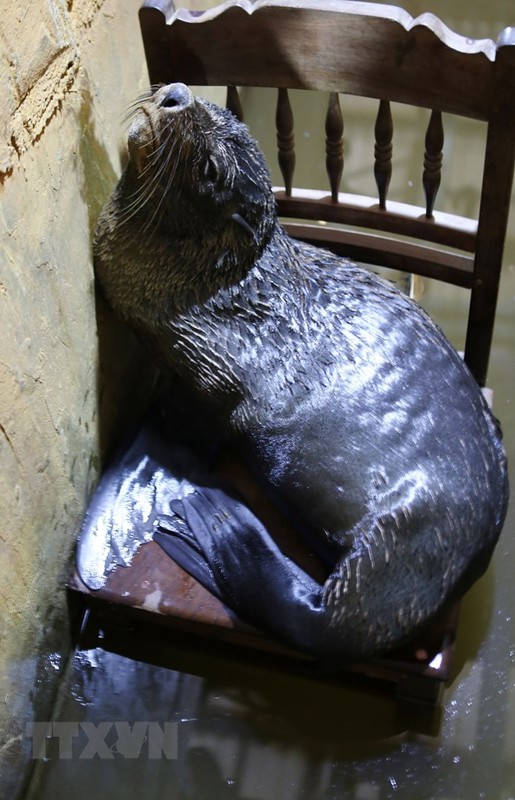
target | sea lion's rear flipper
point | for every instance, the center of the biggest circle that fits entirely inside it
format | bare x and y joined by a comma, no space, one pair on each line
351,616
215,537
178,541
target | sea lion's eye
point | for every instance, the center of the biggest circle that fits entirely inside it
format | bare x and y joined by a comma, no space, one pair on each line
210,170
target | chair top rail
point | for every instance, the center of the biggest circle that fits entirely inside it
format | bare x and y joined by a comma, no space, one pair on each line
311,44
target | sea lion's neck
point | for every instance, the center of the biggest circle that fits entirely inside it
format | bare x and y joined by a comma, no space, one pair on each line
213,340
164,269
187,297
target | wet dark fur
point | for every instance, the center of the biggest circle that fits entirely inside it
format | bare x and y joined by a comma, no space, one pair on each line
354,410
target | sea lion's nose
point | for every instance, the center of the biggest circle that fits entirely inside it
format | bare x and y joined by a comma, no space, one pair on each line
177,96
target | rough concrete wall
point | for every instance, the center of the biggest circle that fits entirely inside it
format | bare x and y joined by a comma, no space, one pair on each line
68,68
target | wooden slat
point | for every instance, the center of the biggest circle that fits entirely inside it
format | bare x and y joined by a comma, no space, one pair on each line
382,251
364,212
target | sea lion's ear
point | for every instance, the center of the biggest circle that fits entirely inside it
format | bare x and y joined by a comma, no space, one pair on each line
244,224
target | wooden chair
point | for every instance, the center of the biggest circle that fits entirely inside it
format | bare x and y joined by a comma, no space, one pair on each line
373,51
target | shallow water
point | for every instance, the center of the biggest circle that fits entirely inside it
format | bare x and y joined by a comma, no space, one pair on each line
252,735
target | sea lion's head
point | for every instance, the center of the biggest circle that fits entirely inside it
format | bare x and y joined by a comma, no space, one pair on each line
193,212
196,168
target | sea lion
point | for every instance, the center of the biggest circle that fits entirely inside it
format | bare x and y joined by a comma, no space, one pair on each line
351,406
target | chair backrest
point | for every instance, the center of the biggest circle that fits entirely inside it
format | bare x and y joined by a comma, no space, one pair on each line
380,52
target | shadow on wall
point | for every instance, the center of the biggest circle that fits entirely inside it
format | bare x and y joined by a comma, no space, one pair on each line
126,377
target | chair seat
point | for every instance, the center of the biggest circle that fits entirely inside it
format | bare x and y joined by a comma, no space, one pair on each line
154,599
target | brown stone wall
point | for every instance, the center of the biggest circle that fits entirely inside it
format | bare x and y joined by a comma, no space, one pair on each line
67,71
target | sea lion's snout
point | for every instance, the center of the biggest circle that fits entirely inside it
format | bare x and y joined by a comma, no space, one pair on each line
176,95
150,127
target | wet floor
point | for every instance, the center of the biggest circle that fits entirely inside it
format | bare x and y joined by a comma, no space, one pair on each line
213,730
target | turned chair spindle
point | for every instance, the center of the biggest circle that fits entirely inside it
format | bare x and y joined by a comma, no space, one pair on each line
334,144
383,150
233,102
285,139
433,159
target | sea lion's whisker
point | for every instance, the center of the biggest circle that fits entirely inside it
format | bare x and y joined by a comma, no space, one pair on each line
150,179
163,164
135,104
171,177
141,199
132,109
140,98
157,155
150,185
138,200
